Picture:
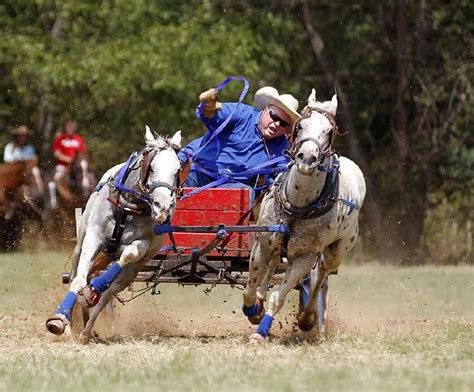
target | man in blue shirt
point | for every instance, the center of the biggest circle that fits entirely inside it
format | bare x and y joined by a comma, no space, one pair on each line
252,137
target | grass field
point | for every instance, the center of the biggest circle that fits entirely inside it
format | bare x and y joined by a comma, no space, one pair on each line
391,329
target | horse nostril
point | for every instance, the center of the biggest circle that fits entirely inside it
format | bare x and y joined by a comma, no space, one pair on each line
312,159
300,156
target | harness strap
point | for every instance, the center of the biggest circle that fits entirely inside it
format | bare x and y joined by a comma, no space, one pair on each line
242,218
352,206
122,175
148,157
157,184
114,241
323,204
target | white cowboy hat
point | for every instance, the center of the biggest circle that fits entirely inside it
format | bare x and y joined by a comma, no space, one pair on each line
269,96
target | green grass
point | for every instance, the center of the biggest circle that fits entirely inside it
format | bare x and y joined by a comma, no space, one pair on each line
392,329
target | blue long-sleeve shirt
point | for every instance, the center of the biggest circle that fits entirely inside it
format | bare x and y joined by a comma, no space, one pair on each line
240,145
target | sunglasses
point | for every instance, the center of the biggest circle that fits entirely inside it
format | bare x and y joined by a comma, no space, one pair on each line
275,117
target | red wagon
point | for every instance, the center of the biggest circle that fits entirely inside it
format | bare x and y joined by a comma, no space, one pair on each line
211,240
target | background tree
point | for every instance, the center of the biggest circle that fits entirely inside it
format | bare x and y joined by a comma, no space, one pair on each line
403,72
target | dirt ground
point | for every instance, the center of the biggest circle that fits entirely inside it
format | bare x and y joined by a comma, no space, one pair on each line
389,329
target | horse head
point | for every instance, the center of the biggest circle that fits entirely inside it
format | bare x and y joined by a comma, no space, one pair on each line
160,177
313,134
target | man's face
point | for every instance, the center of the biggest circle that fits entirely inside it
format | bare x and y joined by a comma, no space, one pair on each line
274,122
21,139
70,127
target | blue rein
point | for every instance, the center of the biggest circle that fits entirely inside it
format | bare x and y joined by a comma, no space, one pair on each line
122,176
228,177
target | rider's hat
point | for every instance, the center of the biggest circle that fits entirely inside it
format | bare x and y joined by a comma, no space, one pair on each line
20,131
269,96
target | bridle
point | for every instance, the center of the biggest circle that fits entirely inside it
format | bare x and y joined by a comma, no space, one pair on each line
137,199
138,196
145,169
324,151
329,195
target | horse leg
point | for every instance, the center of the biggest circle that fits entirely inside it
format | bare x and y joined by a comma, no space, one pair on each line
132,253
127,276
326,264
85,334
95,241
263,287
294,273
260,259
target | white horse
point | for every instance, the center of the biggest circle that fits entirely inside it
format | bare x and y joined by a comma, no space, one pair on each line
318,198
118,219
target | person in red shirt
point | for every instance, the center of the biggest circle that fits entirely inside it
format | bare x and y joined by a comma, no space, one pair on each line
69,147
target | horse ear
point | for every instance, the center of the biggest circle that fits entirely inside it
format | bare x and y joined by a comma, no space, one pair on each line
312,98
333,105
175,141
148,135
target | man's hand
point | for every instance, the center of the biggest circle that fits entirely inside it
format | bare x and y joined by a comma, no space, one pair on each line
211,106
62,157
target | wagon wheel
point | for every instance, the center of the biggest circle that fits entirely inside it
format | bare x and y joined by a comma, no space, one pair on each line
323,298
323,301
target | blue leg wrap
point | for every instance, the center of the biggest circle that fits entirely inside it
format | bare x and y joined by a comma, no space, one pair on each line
102,282
265,325
251,311
65,308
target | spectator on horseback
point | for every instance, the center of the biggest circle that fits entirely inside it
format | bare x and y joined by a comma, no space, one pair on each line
253,137
68,148
20,149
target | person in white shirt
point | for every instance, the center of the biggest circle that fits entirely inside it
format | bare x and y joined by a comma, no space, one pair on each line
20,149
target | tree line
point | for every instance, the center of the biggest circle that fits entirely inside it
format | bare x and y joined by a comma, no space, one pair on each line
403,72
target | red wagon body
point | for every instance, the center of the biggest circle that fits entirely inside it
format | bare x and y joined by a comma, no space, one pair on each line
211,208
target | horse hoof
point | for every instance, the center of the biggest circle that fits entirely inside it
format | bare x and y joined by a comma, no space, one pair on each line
256,338
84,339
255,320
306,321
56,324
88,297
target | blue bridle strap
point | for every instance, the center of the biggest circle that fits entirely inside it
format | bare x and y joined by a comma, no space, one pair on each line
123,174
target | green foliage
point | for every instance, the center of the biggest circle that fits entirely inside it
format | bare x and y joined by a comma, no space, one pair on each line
116,66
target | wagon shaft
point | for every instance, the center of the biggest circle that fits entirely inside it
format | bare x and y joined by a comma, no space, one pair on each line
208,270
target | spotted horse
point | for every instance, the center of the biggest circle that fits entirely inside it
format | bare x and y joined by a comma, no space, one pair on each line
319,199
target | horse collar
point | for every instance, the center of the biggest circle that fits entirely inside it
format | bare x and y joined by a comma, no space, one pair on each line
319,207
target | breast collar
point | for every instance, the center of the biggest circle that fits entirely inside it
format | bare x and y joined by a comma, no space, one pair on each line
317,208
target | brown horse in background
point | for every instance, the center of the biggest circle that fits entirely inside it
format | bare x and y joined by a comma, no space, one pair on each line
12,176
16,203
